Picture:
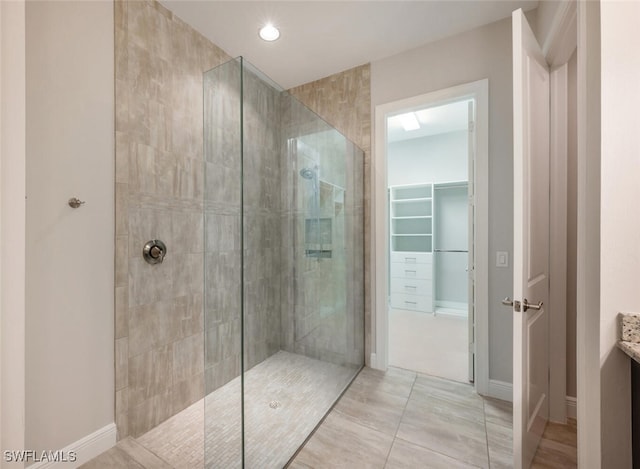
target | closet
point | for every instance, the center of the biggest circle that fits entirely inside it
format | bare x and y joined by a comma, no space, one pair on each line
429,247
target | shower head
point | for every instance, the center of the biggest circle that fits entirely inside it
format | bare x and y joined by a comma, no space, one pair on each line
307,173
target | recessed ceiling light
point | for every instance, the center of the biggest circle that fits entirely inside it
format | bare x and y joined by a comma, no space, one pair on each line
269,32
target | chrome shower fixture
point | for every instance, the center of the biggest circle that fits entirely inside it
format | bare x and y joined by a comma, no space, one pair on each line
307,173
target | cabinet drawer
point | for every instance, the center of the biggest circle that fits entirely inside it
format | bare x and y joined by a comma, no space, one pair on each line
411,271
412,257
412,302
411,286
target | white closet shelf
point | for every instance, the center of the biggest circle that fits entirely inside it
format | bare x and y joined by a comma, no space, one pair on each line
409,234
411,218
420,199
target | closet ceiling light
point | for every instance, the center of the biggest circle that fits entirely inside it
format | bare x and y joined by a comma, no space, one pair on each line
409,121
269,32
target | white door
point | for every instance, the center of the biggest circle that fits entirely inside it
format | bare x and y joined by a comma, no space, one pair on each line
530,242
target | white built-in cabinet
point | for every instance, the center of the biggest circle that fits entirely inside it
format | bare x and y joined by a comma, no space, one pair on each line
411,240
428,220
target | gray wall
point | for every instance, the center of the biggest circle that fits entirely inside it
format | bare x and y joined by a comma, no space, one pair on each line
69,253
481,53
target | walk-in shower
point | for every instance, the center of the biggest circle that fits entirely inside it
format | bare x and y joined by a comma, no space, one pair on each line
283,274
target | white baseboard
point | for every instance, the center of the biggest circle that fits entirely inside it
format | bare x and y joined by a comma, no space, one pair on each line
504,391
373,361
85,449
500,390
572,410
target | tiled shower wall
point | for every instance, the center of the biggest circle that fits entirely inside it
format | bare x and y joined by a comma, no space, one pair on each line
322,307
159,195
344,101
164,190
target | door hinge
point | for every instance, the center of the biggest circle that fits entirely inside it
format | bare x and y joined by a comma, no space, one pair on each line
472,126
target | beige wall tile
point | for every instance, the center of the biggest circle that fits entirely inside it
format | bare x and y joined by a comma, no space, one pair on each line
188,391
122,209
122,158
149,413
150,283
150,374
122,363
122,416
152,326
189,309
188,357
122,312
122,261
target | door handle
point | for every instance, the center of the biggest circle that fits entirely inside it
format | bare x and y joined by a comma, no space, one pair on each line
526,305
509,302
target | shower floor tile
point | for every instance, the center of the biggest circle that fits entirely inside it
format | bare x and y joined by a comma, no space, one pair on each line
285,397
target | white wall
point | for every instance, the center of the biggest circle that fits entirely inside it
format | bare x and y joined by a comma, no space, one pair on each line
620,227
481,53
12,225
436,158
70,253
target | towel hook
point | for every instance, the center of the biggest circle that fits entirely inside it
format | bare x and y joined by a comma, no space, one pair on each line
74,202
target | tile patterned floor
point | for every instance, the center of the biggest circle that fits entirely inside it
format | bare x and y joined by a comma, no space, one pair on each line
397,419
429,422
401,419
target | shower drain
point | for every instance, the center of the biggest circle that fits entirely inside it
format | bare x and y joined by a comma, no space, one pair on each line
274,404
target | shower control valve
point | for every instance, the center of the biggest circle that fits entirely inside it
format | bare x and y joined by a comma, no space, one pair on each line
154,251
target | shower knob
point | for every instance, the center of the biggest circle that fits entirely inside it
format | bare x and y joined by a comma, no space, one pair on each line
154,251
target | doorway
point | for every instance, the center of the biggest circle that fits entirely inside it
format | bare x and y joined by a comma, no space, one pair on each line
429,155
431,234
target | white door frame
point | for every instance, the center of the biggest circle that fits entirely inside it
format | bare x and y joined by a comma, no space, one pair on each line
558,48
478,90
558,149
588,277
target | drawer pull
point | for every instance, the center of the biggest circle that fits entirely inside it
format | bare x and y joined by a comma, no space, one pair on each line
410,272
410,302
410,260
413,287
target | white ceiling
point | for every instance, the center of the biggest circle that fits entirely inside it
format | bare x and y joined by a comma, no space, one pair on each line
320,38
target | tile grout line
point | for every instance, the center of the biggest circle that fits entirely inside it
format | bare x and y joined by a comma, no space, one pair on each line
429,448
395,434
486,433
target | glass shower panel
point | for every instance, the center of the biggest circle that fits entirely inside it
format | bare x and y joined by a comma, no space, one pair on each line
284,268
222,272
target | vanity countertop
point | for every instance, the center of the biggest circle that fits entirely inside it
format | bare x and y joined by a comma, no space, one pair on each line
629,343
